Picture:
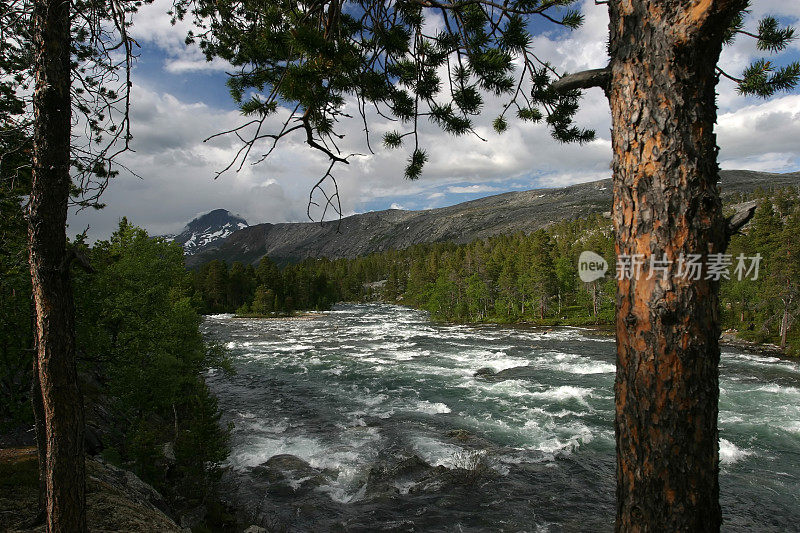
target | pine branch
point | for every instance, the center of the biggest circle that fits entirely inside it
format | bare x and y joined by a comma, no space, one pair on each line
587,79
740,218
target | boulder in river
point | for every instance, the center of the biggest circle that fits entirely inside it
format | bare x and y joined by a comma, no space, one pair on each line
517,372
389,479
484,372
288,475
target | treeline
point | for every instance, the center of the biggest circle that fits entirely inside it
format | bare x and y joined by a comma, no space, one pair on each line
507,278
765,309
522,277
140,353
502,279
261,290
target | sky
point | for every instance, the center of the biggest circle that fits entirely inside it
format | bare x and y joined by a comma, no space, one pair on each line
179,99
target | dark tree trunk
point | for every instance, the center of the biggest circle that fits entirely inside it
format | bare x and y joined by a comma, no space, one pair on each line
785,322
39,426
41,437
49,260
666,203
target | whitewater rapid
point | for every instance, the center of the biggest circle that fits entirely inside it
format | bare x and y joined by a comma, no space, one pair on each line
365,386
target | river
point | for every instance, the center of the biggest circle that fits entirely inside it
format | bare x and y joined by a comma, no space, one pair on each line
379,423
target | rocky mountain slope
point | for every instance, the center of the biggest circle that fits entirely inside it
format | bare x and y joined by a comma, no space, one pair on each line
208,231
396,229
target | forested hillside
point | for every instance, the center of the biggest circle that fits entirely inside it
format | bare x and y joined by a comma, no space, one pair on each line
521,277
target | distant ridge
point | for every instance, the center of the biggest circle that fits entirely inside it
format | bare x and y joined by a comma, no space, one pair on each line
397,229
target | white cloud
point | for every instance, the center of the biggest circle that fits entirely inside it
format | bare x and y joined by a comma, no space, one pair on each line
153,26
178,167
761,135
472,189
177,170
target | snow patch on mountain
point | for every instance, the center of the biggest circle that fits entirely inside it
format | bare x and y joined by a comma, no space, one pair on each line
207,230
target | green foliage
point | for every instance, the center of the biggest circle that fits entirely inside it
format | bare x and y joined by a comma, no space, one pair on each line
757,309
503,279
764,78
136,323
773,38
315,56
16,338
262,291
415,164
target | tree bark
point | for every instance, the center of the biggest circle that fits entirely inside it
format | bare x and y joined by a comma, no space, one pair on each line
666,203
785,323
49,261
41,439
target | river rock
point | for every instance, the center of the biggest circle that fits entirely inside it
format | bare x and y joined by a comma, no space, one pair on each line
288,475
117,500
385,478
484,372
517,372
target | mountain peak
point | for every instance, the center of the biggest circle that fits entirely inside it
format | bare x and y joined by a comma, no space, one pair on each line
206,230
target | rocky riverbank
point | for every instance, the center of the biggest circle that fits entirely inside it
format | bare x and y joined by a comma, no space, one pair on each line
116,499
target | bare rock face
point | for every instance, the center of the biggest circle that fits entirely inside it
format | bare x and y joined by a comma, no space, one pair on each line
479,219
117,500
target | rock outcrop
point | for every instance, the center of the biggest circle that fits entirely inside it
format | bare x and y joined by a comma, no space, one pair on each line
116,499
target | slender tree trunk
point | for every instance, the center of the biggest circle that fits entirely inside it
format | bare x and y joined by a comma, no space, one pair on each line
785,323
666,203
39,426
49,261
41,441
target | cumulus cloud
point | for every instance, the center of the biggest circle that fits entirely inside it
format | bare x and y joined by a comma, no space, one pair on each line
177,172
762,136
153,25
178,167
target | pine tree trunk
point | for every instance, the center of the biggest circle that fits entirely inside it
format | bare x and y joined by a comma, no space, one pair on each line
785,323
666,203
39,427
49,261
41,440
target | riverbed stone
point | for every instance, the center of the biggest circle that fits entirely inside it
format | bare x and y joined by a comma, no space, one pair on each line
484,372
288,475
